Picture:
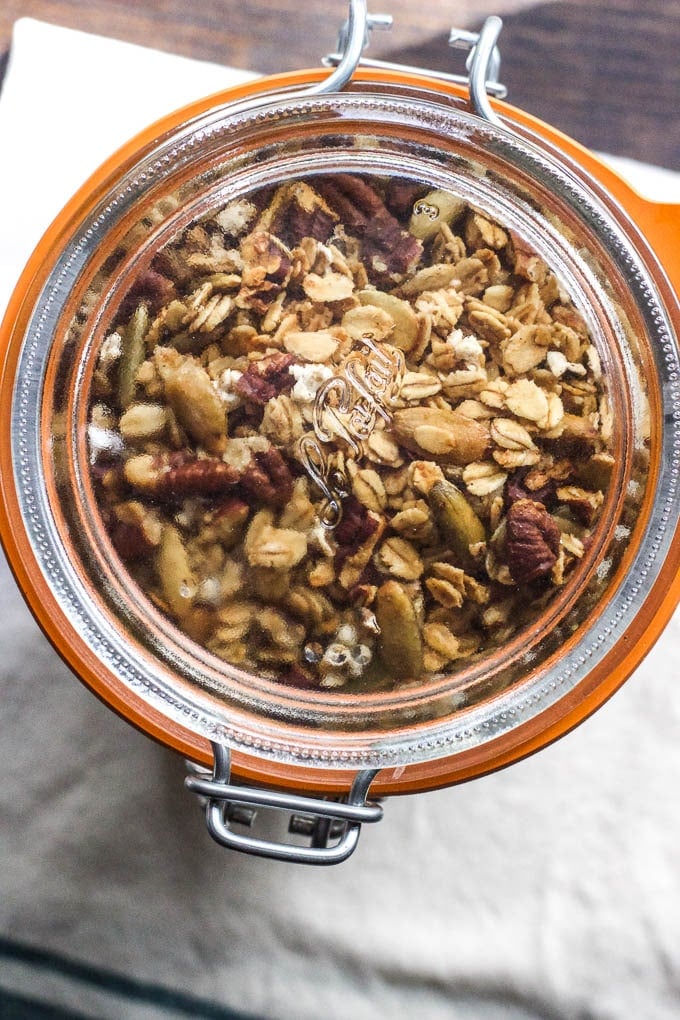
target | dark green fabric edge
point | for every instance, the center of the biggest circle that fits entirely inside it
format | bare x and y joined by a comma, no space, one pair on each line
131,989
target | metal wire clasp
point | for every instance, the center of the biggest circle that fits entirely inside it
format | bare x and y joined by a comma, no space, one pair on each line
353,38
322,821
483,63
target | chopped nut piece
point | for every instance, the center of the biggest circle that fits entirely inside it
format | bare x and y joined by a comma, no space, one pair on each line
268,478
499,296
298,211
481,232
446,435
267,266
424,474
526,262
356,562
532,541
583,504
265,379
405,322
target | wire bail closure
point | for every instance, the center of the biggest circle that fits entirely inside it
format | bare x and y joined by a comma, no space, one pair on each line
483,65
353,38
483,62
322,821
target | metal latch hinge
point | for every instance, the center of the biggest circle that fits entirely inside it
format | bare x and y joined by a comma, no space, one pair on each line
320,820
483,62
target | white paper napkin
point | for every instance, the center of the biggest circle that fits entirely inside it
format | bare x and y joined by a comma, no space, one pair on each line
549,890
69,100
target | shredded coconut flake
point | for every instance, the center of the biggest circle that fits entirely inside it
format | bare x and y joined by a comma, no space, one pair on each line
225,387
111,350
236,216
467,348
309,380
103,441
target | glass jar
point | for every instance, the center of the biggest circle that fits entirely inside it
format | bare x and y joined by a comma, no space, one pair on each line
611,253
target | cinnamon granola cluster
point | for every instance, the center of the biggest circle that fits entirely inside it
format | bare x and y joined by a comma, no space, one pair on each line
349,433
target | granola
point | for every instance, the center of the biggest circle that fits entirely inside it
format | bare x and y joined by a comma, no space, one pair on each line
350,433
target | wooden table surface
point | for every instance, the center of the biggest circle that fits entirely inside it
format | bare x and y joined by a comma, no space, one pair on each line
607,73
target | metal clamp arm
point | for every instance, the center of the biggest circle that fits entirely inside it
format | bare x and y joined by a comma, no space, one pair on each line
483,63
353,39
321,820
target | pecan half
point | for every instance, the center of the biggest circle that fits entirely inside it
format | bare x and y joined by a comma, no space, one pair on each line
265,379
389,251
268,478
356,526
532,541
355,201
152,288
401,194
175,476
298,211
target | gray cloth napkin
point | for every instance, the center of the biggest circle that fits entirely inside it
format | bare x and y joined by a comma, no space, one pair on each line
548,890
